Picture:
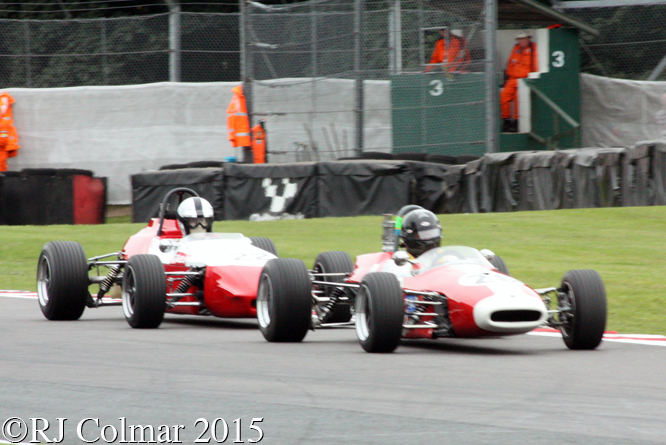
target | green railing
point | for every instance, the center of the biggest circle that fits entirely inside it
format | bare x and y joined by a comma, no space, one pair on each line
558,114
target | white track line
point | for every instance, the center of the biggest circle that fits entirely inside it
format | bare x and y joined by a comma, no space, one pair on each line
638,339
26,295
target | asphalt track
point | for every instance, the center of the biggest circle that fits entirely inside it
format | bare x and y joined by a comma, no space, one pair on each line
518,390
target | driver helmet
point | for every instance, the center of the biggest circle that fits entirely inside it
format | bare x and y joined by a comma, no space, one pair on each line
421,231
195,215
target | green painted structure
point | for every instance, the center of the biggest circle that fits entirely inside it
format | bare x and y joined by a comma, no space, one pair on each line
444,113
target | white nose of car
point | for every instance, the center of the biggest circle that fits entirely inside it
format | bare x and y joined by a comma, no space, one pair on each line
510,312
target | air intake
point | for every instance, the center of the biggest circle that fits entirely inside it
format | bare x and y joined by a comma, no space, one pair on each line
515,316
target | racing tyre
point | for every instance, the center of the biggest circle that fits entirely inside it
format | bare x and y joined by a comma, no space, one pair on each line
144,292
264,244
284,303
379,312
62,280
499,263
585,317
334,262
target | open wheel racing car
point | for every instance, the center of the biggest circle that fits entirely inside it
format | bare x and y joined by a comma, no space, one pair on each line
165,267
451,291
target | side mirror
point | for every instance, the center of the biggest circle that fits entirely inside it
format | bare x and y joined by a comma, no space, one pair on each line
401,258
165,245
488,254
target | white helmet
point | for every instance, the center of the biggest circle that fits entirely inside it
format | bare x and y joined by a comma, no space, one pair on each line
195,215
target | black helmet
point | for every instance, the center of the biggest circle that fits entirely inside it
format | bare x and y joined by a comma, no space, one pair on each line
421,231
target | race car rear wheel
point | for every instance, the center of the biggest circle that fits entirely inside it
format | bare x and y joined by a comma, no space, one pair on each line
62,280
264,244
499,263
333,262
284,300
380,312
144,292
583,309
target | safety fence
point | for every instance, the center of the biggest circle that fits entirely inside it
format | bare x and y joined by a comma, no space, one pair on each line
311,52
497,182
318,71
631,38
119,51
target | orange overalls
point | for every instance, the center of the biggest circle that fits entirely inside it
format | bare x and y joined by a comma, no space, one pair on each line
521,63
238,122
8,136
454,56
259,144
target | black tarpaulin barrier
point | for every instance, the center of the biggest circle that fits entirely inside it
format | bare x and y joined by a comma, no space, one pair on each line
149,189
498,183
195,164
11,199
609,176
585,184
659,173
270,191
45,197
453,190
362,188
426,185
534,175
472,185
52,196
563,186
636,172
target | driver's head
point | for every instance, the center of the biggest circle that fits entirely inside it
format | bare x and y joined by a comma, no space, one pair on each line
195,215
421,231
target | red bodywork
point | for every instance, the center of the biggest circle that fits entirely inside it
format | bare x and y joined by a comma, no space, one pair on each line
230,286
462,285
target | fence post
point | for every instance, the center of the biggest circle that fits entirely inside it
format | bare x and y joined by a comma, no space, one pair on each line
395,38
358,66
105,64
492,99
314,72
28,71
246,58
174,40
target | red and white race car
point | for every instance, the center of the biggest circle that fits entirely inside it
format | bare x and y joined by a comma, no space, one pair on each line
451,291
158,270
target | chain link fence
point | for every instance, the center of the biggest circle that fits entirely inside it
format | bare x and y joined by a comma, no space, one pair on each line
347,77
631,44
332,78
119,51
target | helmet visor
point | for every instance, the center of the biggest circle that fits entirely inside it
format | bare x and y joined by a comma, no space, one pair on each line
429,234
192,223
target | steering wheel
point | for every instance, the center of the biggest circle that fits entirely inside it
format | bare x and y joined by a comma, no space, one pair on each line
181,192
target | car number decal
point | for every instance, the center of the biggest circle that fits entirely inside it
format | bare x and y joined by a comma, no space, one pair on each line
498,283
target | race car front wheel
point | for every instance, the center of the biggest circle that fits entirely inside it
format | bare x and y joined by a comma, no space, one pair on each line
284,300
264,244
62,280
333,262
380,312
144,292
583,309
499,263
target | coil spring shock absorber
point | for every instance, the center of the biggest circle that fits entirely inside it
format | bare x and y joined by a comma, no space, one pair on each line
334,297
108,281
187,281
